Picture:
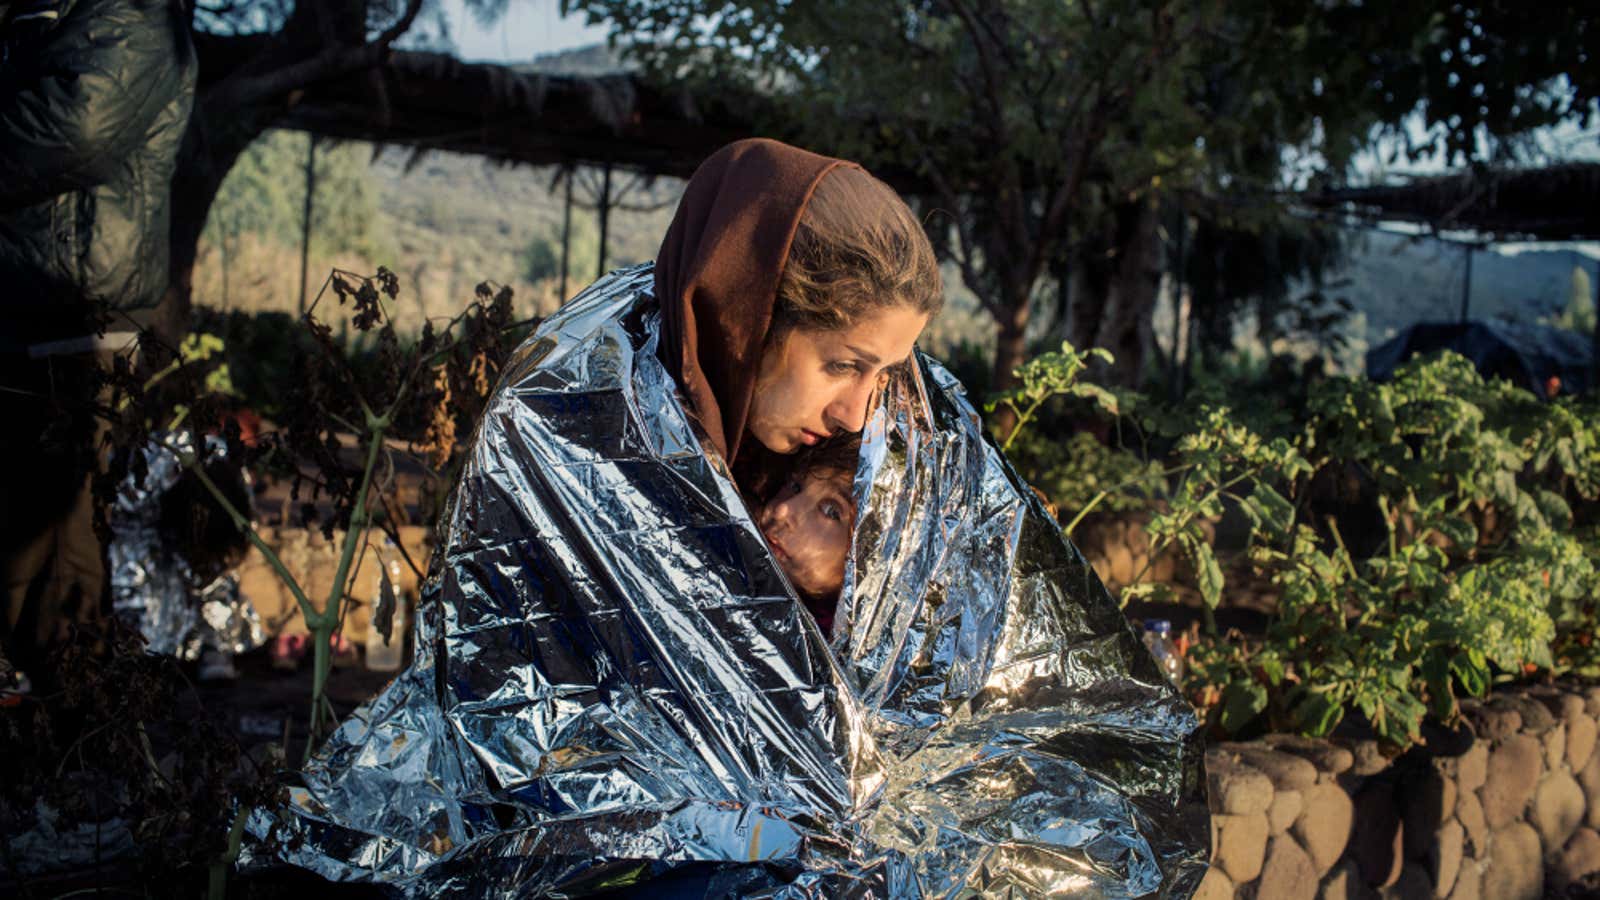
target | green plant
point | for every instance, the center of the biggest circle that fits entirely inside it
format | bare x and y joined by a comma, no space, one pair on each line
1045,377
1479,572
331,399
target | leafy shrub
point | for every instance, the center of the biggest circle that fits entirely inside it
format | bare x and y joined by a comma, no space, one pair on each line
1479,571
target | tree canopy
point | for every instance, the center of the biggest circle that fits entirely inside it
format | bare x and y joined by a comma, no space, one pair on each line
1034,121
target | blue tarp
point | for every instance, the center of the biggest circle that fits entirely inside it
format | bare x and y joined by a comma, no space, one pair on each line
1525,355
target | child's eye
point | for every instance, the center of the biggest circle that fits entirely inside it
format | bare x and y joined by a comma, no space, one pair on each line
831,510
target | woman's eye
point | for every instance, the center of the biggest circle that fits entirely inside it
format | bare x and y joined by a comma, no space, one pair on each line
843,368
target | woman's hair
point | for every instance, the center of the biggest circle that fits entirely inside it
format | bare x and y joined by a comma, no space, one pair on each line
857,248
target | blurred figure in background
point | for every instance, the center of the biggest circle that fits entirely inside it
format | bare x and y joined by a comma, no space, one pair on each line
95,96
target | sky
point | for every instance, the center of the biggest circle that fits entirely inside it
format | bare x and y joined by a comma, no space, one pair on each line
528,29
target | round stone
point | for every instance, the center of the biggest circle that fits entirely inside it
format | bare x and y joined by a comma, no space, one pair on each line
1328,758
1579,859
1288,873
1287,771
1496,722
1377,845
1581,734
1589,779
1472,767
1368,758
1536,717
1516,864
1324,825
1236,790
1286,807
1429,799
1513,773
1558,808
1469,812
1412,884
1555,746
1344,883
1444,857
1241,845
1216,885
1469,884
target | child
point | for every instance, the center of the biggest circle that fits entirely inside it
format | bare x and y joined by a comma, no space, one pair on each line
808,517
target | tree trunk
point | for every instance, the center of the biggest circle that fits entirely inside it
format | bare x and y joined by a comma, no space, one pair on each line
202,164
1010,352
1125,325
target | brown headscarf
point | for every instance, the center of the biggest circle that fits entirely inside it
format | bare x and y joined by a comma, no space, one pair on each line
717,274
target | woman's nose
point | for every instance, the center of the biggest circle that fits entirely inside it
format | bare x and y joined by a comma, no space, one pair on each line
849,411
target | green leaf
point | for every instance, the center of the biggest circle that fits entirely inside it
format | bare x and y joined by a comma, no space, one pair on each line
1471,669
1461,532
1554,508
1266,507
1208,573
1242,701
1272,667
1317,715
1436,672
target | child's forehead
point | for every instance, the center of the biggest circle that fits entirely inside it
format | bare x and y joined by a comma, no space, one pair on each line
840,479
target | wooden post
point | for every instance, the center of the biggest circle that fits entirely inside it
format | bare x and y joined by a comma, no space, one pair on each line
566,233
1466,286
305,221
605,219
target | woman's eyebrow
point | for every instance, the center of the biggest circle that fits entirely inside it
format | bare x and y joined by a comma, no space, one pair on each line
870,359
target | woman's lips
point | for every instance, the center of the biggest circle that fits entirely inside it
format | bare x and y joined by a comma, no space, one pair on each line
811,438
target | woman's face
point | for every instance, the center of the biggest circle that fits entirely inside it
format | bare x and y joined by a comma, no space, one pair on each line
815,384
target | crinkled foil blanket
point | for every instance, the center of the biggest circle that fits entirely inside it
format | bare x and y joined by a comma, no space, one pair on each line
613,678
152,586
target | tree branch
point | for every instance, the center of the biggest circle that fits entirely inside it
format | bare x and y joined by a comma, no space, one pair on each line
330,62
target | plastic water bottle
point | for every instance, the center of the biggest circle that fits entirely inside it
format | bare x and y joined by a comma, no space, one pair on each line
381,656
1158,637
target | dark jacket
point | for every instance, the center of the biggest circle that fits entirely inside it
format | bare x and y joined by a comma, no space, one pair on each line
94,99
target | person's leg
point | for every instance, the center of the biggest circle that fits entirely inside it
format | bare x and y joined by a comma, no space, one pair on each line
50,557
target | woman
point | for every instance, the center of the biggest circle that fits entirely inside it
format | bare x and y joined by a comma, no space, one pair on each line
615,684
790,283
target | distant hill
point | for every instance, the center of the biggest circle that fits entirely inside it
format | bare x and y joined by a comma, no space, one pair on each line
589,61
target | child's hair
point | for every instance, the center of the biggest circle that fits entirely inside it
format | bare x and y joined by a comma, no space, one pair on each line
833,457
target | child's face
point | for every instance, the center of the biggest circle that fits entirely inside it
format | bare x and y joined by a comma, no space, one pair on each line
808,524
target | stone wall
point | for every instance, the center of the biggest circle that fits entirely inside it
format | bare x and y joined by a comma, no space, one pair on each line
1507,808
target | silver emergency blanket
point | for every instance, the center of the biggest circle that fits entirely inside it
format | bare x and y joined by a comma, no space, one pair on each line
614,684
152,586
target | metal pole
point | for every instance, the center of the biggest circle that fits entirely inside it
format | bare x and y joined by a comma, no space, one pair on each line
1180,313
1594,362
605,218
305,221
566,232
1466,286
